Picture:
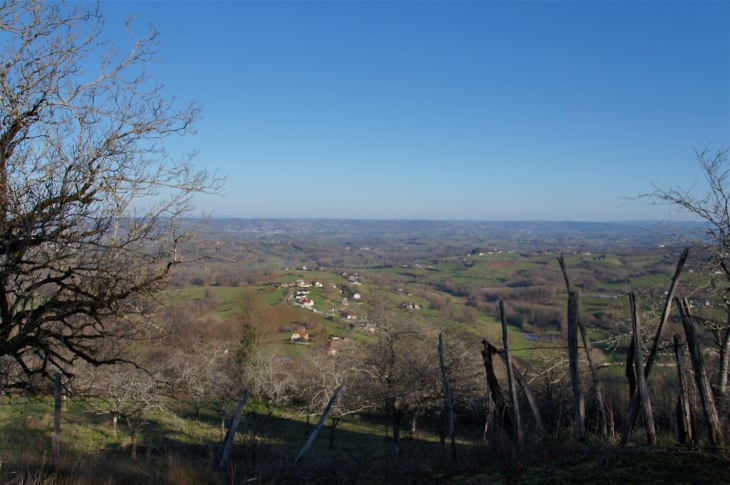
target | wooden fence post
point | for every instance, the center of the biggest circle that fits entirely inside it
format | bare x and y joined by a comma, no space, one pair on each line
56,441
231,435
636,399
510,377
684,415
447,397
522,381
493,388
322,419
580,412
703,384
641,378
589,355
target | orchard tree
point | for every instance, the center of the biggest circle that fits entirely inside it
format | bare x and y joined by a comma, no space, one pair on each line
91,204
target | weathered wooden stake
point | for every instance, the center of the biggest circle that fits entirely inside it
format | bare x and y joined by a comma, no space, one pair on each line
56,441
580,411
684,415
522,381
493,388
447,396
589,355
321,421
703,384
636,399
231,435
641,378
510,377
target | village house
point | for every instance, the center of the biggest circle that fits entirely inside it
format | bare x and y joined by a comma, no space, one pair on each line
300,334
331,348
349,315
317,284
356,296
305,302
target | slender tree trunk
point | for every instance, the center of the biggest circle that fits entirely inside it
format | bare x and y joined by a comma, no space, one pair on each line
397,419
223,427
57,419
335,422
114,425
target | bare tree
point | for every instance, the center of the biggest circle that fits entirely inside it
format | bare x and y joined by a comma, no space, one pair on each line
327,374
122,390
399,368
711,238
91,204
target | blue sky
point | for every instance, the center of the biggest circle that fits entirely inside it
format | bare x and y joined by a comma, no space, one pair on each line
445,110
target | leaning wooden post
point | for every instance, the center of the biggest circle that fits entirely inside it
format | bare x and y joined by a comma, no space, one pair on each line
231,435
580,411
322,419
510,376
493,388
641,378
589,355
703,384
56,441
447,396
635,398
522,381
684,415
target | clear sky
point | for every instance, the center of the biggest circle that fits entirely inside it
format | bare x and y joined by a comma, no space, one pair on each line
445,110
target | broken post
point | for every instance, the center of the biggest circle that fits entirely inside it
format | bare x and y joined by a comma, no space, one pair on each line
580,411
230,436
684,415
522,381
494,392
322,419
447,397
510,377
703,384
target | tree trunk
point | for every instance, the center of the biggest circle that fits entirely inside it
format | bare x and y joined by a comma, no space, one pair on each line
580,412
223,428
57,419
397,418
114,425
447,397
131,425
335,422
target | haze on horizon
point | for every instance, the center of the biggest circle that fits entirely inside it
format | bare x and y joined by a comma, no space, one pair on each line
445,110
